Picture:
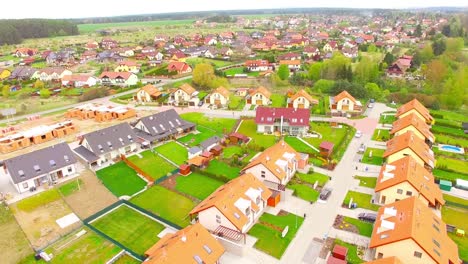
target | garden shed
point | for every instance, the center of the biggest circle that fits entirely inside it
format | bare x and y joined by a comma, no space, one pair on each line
333,260
326,149
445,185
461,184
274,199
184,169
340,252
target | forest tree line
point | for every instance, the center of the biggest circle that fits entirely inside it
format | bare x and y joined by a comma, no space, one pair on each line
13,31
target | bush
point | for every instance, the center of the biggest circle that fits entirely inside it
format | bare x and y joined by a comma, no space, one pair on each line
211,175
93,93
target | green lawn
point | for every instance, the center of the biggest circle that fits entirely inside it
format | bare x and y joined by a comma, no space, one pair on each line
381,135
195,139
130,228
387,119
221,168
120,179
234,71
166,204
352,256
70,187
236,103
364,228
451,131
335,135
456,215
35,201
89,28
89,248
455,200
445,139
298,145
449,176
368,182
377,156
313,177
174,152
454,165
269,239
220,125
249,128
152,164
449,115
230,151
304,192
363,200
216,63
197,185
126,259
462,243
278,100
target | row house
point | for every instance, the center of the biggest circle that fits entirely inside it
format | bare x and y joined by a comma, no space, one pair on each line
76,80
415,107
412,122
100,113
51,74
290,121
118,78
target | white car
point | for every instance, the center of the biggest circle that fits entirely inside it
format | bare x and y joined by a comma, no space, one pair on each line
358,134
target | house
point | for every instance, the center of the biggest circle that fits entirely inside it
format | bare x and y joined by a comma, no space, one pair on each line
210,143
408,144
45,166
109,44
289,56
51,74
162,126
148,49
404,178
330,46
77,80
64,57
23,73
24,52
235,206
388,260
414,123
394,71
4,73
109,56
302,99
258,65
88,55
107,144
275,166
293,65
350,52
259,96
344,103
118,78
179,67
194,151
290,121
92,45
185,94
193,244
414,106
148,93
219,97
411,231
128,66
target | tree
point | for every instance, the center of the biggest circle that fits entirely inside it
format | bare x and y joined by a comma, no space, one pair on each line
426,54
438,46
315,71
5,91
454,45
389,58
203,74
323,86
38,84
44,93
374,91
435,74
366,71
283,72
418,31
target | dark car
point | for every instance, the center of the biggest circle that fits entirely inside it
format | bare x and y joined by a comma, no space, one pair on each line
325,194
368,217
201,103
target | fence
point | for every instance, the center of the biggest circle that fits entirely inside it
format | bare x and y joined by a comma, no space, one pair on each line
137,169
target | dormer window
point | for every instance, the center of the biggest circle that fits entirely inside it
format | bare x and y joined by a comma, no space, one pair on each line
21,173
130,138
52,163
109,144
67,159
37,168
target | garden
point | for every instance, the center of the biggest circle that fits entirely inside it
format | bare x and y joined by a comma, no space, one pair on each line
387,119
381,135
120,179
70,187
373,156
362,200
302,185
165,203
220,125
194,139
368,182
278,100
174,152
220,168
152,164
130,228
269,229
249,128
197,185
352,257
454,213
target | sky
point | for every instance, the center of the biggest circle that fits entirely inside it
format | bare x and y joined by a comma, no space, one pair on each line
100,8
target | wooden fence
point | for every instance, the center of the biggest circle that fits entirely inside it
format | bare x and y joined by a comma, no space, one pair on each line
137,169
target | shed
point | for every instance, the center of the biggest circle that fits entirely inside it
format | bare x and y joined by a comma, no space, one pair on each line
184,169
237,138
445,185
207,154
304,161
274,199
198,161
461,184
465,127
333,260
340,252
326,149
216,150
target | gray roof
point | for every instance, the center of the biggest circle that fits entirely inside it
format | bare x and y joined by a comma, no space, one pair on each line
22,72
161,125
212,140
110,138
86,154
194,150
39,162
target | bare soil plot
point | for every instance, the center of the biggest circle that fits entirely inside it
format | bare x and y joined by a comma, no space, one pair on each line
13,243
91,197
38,220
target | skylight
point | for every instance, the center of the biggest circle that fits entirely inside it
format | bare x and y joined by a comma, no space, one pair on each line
207,249
236,215
198,259
21,173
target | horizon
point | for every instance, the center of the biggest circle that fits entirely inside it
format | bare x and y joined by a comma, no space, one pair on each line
142,7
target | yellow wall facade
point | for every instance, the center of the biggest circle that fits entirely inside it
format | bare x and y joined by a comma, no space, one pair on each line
404,250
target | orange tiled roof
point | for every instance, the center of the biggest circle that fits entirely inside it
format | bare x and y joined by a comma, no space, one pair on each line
187,88
183,247
223,91
271,155
290,62
416,105
151,90
410,140
262,90
389,260
416,122
408,170
306,95
342,95
412,219
225,197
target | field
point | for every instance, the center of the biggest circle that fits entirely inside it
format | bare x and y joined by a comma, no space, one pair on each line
152,164
89,28
13,243
166,204
375,159
363,200
35,104
368,182
174,152
89,248
126,259
381,135
120,179
220,168
249,128
130,228
268,231
220,125
197,185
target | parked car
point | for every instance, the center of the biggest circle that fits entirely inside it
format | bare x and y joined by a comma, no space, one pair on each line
368,217
325,194
358,134
201,103
362,148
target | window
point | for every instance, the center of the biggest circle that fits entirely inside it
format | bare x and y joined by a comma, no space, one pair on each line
25,185
417,254
435,227
380,255
218,221
436,243
70,169
409,193
263,174
399,191
437,252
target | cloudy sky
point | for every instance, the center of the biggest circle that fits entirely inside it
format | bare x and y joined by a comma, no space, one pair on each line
97,8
